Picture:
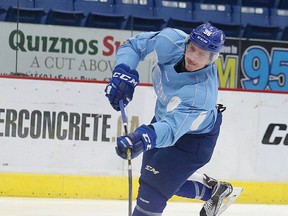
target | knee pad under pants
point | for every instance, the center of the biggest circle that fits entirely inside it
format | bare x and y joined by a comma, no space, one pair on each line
150,202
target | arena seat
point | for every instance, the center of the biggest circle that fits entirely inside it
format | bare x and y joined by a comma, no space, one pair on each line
236,17
259,3
185,26
99,14
65,18
135,7
2,14
26,15
283,4
144,23
212,12
261,32
176,14
26,11
251,15
285,34
222,2
47,5
99,20
139,14
60,12
279,17
6,4
230,30
87,6
179,10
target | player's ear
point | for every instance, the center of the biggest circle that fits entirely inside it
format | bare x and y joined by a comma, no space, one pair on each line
187,40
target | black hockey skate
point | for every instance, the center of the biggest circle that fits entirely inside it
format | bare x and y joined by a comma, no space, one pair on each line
221,190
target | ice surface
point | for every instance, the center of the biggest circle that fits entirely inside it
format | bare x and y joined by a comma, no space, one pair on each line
83,207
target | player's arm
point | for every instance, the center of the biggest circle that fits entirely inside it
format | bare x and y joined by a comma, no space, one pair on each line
124,76
135,49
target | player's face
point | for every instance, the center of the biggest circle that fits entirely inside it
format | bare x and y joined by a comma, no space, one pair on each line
196,57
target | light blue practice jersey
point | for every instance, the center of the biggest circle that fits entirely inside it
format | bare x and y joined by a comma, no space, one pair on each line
186,101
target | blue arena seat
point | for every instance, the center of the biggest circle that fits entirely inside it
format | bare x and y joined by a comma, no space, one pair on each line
285,34
179,10
134,8
185,26
26,15
6,4
230,30
26,11
259,3
212,12
87,6
99,20
65,18
279,17
47,5
2,14
283,4
144,23
251,15
261,32
60,12
222,2
139,14
176,14
100,14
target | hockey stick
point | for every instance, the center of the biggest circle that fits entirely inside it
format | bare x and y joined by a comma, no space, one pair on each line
124,120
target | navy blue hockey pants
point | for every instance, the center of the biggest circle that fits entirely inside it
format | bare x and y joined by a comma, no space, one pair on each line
167,169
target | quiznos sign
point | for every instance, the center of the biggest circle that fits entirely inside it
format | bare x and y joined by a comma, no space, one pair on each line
60,125
35,43
49,51
52,52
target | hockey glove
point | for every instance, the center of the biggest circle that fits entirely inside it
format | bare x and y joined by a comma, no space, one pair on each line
122,85
142,139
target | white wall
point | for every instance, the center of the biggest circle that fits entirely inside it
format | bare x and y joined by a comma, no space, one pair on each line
239,155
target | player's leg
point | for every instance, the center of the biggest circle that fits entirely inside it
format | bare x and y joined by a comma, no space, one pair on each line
160,178
200,186
149,201
195,190
165,170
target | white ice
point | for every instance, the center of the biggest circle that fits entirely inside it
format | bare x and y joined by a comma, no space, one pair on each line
83,207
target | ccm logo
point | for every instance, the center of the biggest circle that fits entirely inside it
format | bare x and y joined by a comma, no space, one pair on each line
151,169
125,77
270,136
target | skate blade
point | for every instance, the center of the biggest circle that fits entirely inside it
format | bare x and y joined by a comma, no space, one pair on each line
230,199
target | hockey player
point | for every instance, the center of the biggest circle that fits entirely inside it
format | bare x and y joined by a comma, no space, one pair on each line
183,133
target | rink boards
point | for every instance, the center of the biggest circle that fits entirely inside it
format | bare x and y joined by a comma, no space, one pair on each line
58,138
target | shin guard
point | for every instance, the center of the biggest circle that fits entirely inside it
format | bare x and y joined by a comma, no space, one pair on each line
150,202
195,190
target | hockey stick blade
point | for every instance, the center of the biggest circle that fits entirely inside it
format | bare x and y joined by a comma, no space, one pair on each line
230,199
